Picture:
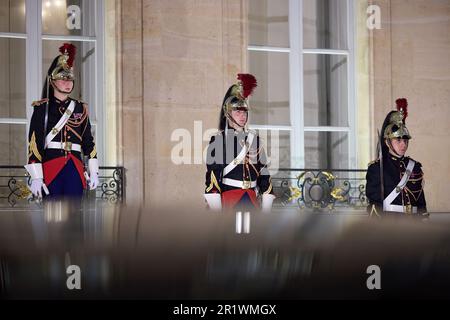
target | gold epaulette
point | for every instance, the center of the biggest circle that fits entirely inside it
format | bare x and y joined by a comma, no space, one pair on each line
81,101
372,162
39,102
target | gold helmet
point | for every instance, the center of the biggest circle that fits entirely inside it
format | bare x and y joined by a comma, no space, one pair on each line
62,68
394,124
236,97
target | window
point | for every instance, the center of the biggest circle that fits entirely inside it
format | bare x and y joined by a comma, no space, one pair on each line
31,31
301,52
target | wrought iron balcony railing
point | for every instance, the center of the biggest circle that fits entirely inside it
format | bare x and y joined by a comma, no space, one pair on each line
320,189
15,193
316,189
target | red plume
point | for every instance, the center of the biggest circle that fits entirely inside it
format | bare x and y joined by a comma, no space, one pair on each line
249,83
402,103
70,49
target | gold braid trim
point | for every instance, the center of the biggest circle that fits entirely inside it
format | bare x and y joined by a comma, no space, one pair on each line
213,183
254,168
414,192
34,149
76,123
74,132
93,153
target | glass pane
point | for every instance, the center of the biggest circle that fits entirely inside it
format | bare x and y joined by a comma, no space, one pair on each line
84,66
269,105
325,90
13,143
69,17
326,150
269,23
277,144
12,13
325,24
12,78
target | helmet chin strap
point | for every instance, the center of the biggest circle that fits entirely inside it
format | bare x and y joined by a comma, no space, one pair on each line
232,121
391,149
61,91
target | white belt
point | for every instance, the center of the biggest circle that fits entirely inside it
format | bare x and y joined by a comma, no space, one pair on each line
239,183
397,208
394,193
68,146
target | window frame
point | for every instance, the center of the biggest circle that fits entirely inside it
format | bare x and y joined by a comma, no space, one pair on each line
296,53
34,39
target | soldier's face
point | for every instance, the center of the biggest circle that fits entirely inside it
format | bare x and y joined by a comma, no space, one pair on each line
64,86
400,145
239,116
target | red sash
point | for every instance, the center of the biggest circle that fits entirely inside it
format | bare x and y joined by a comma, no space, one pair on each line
53,167
232,197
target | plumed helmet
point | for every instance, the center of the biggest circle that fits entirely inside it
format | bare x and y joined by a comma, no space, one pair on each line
62,66
236,97
394,124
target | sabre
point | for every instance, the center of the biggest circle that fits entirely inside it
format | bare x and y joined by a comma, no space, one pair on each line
380,156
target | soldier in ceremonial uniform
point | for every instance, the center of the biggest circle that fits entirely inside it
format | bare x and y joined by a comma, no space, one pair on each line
394,181
60,132
236,162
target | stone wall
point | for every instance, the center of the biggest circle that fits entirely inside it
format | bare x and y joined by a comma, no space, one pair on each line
411,59
177,60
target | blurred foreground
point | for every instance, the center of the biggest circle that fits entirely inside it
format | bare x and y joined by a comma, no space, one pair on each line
187,253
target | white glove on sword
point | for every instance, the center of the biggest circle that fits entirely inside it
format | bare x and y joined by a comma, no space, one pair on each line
37,180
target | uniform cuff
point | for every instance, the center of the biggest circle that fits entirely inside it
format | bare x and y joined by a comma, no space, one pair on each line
35,170
93,166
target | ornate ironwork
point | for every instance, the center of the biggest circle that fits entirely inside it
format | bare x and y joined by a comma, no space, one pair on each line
320,189
15,193
112,189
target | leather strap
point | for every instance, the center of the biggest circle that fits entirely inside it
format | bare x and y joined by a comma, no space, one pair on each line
240,157
394,193
61,123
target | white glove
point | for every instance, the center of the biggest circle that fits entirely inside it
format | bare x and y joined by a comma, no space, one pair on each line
93,181
93,173
35,170
214,201
267,200
36,187
37,179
